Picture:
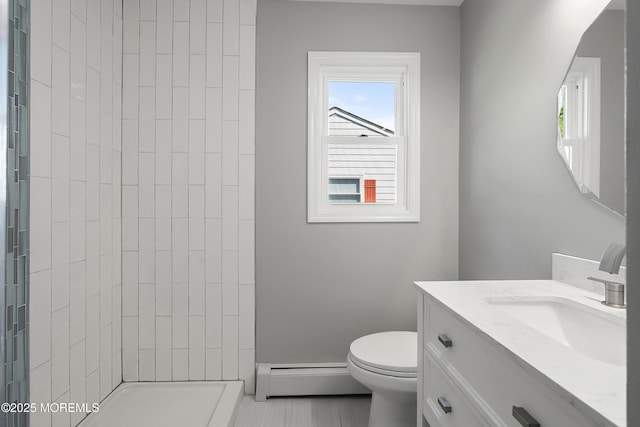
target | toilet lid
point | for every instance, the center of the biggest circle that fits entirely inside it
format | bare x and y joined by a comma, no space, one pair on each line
395,351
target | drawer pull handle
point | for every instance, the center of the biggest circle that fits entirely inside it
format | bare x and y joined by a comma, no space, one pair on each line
445,340
445,405
524,418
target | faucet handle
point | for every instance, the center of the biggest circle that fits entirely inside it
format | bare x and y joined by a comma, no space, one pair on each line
606,282
613,292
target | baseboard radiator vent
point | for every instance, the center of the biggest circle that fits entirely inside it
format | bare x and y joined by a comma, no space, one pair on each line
309,379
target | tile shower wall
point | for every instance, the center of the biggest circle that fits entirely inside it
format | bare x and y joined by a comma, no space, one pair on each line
75,274
188,190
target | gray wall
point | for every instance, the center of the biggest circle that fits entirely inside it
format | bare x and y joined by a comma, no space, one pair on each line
605,40
320,286
518,203
633,212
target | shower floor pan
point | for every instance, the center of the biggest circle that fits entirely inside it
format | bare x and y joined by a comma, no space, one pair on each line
169,404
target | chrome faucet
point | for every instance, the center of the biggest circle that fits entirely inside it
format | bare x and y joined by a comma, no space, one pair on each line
610,263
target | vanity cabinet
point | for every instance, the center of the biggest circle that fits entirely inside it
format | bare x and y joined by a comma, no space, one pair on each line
467,379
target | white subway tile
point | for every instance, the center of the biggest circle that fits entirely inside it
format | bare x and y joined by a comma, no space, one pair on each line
40,130
117,49
106,23
180,51
147,125
147,251
60,178
247,57
39,318
131,26
92,333
77,296
93,387
147,10
163,218
146,185
181,10
93,183
163,152
60,91
40,223
163,349
196,218
198,25
106,218
180,362
77,223
116,187
247,132
60,266
163,283
213,315
78,151
246,252
165,26
213,185
129,218
214,120
40,392
229,218
246,187
106,148
93,37
105,362
130,76
130,152
116,369
147,53
214,11
180,250
93,107
147,361
147,317
92,244
196,283
230,153
231,20
230,87
117,118
230,347
129,348
78,380
180,184
214,54
196,152
180,316
60,352
197,87
164,90
229,283
196,348
213,364
41,11
117,8
248,12
130,283
106,76
247,369
180,131
246,318
116,319
213,252
78,59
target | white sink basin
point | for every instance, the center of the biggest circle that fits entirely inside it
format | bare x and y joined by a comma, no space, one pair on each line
592,332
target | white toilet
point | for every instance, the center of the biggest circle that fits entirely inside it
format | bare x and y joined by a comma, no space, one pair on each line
387,364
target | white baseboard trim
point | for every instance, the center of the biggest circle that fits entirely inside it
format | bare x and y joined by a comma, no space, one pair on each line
308,379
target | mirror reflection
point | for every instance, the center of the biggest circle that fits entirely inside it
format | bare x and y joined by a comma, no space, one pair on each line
590,111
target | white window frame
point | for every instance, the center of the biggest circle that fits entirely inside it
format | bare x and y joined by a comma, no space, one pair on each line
403,68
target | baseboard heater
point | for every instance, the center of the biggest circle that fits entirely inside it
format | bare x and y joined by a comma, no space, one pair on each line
308,379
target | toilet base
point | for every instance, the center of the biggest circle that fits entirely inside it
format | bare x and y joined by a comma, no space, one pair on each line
389,411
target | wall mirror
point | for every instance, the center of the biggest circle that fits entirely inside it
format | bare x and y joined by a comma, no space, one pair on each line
590,112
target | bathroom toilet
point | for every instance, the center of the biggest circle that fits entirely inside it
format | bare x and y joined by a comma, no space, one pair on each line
387,363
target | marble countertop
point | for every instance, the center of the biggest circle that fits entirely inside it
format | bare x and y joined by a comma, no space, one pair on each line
596,388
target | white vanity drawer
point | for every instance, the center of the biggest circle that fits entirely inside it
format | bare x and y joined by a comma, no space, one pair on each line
440,392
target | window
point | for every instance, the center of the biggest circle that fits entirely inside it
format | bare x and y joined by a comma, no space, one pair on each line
363,137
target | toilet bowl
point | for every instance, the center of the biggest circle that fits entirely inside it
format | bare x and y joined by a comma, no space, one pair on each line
386,363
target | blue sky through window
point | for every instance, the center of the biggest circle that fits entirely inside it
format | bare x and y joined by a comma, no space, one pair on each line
374,101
